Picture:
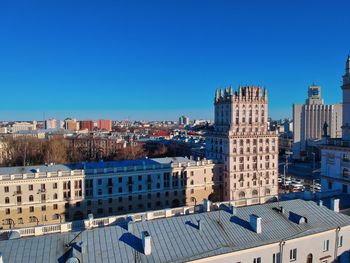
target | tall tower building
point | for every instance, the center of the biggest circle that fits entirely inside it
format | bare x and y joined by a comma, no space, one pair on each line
241,140
311,120
346,102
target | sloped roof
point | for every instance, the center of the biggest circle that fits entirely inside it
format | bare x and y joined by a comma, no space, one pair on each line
177,239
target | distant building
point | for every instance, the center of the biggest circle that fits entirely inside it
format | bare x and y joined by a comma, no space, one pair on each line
184,120
309,120
105,125
86,125
23,126
242,142
51,124
71,124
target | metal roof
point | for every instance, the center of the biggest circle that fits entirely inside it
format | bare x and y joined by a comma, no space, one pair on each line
92,165
178,239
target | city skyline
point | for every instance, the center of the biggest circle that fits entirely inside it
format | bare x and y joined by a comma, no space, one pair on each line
93,61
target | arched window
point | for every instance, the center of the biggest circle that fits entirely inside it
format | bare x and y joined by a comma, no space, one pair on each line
241,195
345,172
268,191
255,193
55,196
31,198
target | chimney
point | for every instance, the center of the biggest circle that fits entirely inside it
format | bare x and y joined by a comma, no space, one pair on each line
199,225
335,204
255,223
146,243
206,205
320,203
233,210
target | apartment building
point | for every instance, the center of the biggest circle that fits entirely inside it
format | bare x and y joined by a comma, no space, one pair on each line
289,231
58,193
242,142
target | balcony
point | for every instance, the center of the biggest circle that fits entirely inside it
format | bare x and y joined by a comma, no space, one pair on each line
17,192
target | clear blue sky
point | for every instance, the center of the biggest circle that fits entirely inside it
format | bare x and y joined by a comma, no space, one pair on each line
161,59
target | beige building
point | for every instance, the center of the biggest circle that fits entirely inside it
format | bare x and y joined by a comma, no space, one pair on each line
59,193
23,126
242,142
309,120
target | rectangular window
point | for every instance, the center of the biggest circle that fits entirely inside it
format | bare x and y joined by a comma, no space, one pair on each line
276,258
293,254
340,241
30,187
257,260
325,245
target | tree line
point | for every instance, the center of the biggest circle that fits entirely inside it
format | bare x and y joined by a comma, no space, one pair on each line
24,151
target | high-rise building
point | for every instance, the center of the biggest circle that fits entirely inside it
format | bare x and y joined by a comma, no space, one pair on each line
335,158
242,142
71,124
51,124
104,125
310,120
346,102
184,120
86,125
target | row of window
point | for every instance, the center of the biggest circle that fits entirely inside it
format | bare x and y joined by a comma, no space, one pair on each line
66,185
293,253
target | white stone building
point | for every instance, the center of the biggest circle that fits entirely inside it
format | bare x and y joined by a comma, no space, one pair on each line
335,161
309,120
242,142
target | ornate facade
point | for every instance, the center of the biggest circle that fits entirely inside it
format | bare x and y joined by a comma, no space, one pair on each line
242,142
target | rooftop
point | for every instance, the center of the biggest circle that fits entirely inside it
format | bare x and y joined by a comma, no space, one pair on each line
178,239
93,165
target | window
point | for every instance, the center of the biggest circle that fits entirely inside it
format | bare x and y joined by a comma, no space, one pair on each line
54,186
30,187
55,196
31,209
31,198
7,211
7,200
325,245
55,206
276,258
19,210
99,181
6,189
340,241
293,254
257,260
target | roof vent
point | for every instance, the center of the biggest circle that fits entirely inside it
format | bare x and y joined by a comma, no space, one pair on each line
279,209
335,204
199,225
298,219
146,243
255,223
206,205
320,203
